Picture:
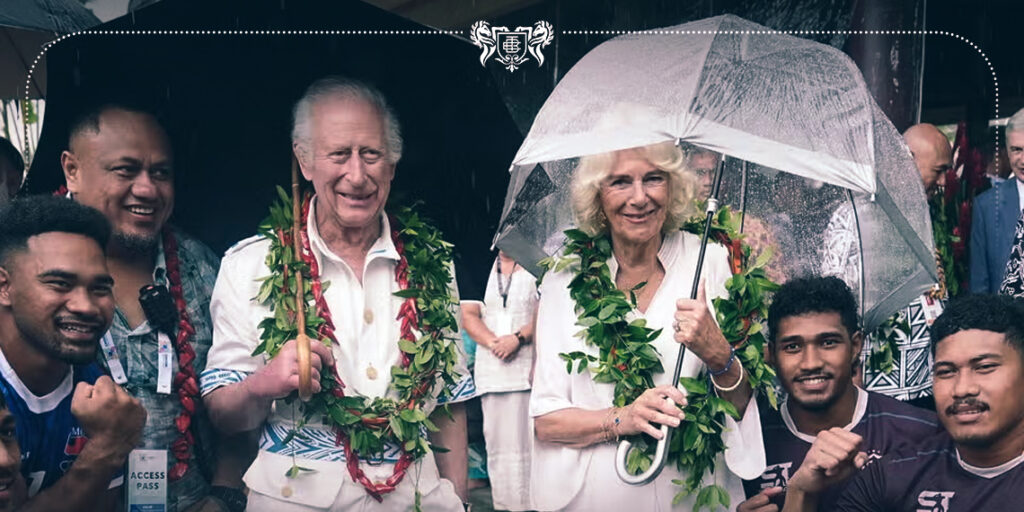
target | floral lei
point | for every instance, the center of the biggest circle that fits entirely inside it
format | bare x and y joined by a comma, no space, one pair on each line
364,427
185,380
627,359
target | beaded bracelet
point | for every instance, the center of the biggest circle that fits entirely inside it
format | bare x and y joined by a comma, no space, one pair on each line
611,427
728,366
730,388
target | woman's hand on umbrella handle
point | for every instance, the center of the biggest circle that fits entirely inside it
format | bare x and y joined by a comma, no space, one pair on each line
660,405
695,327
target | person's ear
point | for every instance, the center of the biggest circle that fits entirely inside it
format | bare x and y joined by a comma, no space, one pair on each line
768,351
5,287
857,344
72,170
301,152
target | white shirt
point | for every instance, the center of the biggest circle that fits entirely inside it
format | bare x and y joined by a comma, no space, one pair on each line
492,375
364,316
1020,193
582,478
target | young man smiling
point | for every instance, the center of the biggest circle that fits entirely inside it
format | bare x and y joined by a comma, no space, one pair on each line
979,374
75,428
814,345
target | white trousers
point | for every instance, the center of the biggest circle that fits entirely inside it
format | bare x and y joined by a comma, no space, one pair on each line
508,432
330,488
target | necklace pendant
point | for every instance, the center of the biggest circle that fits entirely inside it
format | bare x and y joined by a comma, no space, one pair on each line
371,372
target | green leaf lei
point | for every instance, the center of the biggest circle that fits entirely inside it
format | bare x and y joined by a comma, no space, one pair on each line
368,425
627,359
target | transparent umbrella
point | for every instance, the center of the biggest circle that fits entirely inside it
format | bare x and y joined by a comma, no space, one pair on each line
808,147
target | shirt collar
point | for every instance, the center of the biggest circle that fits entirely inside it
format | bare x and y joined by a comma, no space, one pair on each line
991,472
858,414
382,247
160,265
666,253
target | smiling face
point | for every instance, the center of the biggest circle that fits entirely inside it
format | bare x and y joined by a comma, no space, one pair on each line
60,295
813,355
1015,152
634,197
978,381
125,170
346,159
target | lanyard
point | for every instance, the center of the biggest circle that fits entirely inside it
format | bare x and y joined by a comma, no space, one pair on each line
165,361
503,288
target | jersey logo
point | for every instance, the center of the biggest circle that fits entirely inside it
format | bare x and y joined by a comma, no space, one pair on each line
934,501
776,475
76,442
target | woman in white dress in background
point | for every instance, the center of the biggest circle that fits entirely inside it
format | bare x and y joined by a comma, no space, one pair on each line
503,325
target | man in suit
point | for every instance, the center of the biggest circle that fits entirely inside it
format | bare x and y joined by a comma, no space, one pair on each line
995,216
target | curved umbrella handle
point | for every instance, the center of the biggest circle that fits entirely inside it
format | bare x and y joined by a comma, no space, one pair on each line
302,351
660,456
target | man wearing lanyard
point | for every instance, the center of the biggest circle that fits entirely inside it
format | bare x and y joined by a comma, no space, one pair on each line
74,426
119,161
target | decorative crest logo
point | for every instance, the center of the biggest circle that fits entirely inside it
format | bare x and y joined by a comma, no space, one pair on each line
934,501
512,46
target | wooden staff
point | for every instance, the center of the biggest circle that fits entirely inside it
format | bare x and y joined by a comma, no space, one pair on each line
301,340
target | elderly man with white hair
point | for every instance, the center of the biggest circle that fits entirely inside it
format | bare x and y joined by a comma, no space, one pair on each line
995,216
380,360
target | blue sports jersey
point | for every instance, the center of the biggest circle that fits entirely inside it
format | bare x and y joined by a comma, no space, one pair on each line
48,434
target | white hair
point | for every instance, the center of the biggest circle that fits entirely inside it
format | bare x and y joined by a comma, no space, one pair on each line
339,87
1015,123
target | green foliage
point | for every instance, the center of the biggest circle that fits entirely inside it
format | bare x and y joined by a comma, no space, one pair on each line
627,359
885,342
370,424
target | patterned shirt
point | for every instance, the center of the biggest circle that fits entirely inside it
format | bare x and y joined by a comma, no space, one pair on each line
932,477
137,350
911,376
885,424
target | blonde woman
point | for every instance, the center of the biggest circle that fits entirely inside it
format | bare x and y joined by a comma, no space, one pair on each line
639,198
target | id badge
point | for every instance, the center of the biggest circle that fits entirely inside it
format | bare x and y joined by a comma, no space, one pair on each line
931,308
147,481
109,350
165,364
502,323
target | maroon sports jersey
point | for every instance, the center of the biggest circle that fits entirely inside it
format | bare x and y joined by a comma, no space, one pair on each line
930,477
885,424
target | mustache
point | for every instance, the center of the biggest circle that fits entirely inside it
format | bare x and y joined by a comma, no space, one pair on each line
966,403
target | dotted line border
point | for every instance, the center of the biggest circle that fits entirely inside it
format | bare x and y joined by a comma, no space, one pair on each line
47,46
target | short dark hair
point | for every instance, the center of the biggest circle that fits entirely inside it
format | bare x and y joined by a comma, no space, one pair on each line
88,118
812,294
26,217
994,313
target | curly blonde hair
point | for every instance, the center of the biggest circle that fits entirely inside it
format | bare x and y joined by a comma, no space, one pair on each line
593,169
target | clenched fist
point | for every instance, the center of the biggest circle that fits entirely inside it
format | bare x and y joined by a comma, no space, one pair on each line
281,375
109,416
833,457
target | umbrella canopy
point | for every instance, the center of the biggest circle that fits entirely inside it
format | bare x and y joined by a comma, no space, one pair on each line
226,101
775,101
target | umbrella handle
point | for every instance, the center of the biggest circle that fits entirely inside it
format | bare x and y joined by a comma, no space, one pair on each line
302,352
660,457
